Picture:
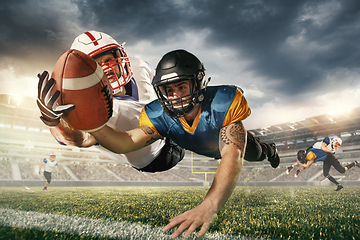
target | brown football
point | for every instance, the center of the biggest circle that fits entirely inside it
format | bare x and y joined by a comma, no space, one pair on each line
82,82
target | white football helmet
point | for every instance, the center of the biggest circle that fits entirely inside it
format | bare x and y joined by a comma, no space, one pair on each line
336,143
95,44
52,156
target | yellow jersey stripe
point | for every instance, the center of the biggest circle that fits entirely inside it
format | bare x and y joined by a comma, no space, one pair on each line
238,110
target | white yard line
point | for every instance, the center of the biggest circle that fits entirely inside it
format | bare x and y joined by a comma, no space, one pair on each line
90,227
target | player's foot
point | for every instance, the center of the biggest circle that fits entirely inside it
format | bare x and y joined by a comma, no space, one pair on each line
45,189
357,163
339,187
288,170
297,173
274,159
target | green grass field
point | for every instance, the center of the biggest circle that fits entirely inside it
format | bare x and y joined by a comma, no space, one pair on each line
316,212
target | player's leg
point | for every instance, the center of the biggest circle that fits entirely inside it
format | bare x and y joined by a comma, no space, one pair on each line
291,167
357,164
257,151
335,162
47,176
169,156
350,165
329,160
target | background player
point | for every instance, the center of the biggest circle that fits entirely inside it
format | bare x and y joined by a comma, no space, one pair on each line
131,81
50,164
301,159
205,120
324,151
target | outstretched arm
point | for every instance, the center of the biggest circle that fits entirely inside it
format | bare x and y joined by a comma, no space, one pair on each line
123,142
65,134
297,163
51,114
324,148
232,142
306,165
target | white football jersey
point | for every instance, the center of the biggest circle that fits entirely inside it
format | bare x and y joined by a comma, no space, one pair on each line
126,112
328,144
49,165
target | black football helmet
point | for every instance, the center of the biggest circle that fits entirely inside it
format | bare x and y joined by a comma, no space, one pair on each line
177,66
301,156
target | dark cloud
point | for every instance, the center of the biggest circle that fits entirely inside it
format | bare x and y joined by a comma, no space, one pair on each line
293,49
258,28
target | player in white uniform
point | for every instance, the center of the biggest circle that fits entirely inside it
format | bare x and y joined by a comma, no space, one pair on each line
50,164
131,81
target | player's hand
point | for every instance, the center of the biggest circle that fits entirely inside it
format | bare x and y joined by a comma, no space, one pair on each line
200,216
48,105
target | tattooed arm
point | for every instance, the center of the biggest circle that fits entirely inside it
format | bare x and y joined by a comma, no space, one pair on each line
232,142
123,142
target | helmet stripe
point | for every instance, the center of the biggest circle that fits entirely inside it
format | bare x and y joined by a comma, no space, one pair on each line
92,38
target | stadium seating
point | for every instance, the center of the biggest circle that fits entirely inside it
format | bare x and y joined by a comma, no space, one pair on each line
25,141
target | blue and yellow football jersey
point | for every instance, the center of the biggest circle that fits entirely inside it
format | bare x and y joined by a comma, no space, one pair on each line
315,153
222,106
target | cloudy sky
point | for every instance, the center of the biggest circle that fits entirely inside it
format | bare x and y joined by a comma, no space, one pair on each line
293,59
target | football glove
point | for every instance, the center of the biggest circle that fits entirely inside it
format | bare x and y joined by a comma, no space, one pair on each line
51,111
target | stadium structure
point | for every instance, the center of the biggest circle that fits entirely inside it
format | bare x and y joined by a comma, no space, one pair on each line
25,141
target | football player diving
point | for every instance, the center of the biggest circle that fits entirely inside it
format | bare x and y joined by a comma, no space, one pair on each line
204,119
131,81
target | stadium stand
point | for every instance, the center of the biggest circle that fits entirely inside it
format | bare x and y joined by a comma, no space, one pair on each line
25,141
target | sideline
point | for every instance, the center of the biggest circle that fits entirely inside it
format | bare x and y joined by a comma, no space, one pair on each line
91,227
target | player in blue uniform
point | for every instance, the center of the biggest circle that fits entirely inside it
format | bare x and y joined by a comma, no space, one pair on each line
205,120
323,152
50,164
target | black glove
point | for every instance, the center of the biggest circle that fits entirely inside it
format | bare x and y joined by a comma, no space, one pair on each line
50,110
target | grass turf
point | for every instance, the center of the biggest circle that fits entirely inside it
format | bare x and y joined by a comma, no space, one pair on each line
315,212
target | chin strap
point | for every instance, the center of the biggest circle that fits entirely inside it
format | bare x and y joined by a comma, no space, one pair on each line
207,82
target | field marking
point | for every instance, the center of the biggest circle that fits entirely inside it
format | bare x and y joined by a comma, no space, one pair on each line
192,170
91,227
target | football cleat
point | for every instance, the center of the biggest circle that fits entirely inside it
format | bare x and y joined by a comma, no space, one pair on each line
45,189
357,163
275,159
339,187
297,173
288,170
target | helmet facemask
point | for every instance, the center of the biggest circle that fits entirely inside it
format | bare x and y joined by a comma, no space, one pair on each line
181,106
336,143
122,64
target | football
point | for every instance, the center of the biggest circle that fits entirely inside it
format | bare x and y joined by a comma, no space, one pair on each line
82,82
